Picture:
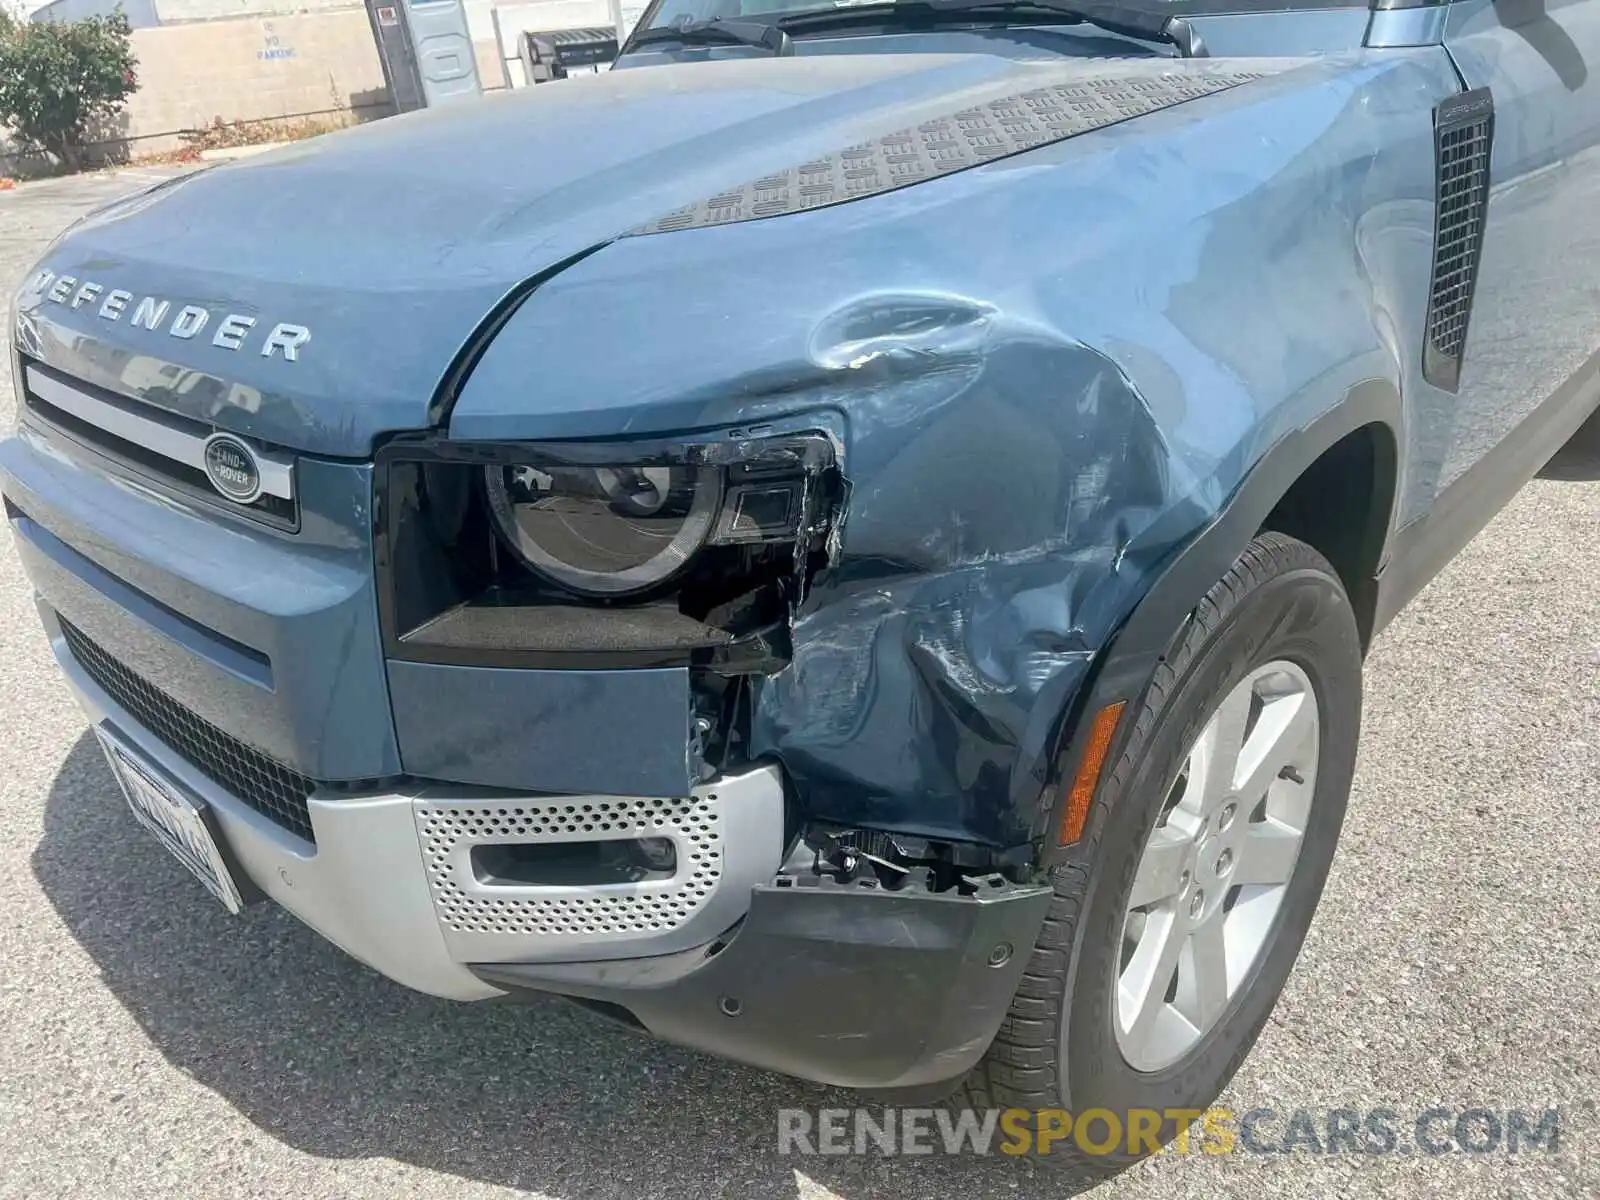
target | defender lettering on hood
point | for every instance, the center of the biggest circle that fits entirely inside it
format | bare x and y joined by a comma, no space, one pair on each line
151,312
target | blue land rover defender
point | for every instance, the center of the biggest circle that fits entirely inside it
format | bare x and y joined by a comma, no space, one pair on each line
847,541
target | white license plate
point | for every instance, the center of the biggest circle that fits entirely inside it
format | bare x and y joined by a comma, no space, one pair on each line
177,820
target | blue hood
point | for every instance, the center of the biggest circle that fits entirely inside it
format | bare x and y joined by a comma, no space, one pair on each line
391,243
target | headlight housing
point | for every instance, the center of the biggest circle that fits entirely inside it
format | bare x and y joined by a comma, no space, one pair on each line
692,550
604,531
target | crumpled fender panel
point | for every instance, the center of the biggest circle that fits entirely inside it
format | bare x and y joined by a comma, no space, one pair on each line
987,554
1053,371
940,145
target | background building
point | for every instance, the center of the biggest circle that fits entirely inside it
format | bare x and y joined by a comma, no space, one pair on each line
313,61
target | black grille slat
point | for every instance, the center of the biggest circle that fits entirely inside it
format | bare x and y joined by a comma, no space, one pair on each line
1463,138
266,785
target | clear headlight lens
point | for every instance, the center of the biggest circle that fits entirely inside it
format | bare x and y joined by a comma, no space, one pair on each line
605,530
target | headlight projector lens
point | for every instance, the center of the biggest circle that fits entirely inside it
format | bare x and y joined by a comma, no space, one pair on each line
605,531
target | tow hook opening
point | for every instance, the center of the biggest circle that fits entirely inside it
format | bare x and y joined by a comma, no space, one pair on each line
575,864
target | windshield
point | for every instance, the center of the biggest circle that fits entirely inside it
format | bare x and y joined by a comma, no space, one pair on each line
671,12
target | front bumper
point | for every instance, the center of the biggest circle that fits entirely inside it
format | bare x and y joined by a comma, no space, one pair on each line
379,883
842,984
361,886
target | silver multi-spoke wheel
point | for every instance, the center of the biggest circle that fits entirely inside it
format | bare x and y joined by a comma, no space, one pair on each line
1214,872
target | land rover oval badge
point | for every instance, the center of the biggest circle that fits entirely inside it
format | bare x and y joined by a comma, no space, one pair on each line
231,467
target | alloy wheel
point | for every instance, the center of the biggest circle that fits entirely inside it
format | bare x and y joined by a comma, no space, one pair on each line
1217,865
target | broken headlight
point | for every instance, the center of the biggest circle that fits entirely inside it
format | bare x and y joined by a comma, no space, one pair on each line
632,551
604,531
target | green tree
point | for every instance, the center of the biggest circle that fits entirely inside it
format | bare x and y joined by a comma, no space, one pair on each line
62,82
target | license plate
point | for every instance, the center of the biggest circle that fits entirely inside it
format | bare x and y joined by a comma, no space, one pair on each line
177,819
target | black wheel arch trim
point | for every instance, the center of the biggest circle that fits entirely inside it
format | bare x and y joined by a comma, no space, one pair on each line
1144,639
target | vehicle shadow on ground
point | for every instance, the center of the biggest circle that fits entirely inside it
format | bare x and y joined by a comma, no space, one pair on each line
1579,460
336,1061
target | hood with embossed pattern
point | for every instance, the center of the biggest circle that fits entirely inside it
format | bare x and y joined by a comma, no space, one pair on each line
316,296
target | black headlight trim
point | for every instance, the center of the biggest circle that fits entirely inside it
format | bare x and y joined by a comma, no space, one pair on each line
424,618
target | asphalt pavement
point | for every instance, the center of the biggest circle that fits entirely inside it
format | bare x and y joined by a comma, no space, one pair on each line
151,1045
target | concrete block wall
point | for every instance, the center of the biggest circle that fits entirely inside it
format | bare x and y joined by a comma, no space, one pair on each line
172,12
291,64
248,69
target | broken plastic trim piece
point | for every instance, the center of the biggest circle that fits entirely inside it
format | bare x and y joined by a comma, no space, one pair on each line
875,858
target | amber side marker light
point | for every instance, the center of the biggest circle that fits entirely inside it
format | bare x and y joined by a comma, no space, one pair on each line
1101,731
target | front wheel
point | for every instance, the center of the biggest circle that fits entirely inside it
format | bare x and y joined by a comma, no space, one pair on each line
1174,929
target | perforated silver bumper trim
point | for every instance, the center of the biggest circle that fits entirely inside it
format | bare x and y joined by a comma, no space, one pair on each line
727,835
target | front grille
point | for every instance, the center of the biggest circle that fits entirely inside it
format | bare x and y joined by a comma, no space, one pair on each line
144,461
269,787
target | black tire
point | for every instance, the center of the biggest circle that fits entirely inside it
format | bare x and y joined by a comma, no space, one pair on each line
1057,1048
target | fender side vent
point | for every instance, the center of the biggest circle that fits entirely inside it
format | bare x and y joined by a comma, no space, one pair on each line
1463,132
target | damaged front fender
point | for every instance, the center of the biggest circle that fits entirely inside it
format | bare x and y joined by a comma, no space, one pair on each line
992,539
1053,374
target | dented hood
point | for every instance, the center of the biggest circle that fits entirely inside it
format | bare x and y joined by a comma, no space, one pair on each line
329,286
